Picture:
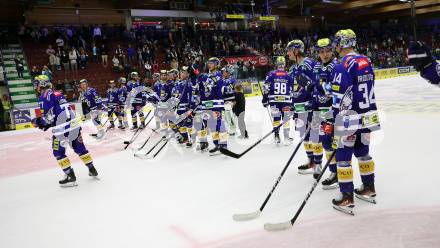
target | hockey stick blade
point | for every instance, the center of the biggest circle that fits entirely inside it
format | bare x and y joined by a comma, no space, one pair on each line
246,217
273,227
229,153
126,142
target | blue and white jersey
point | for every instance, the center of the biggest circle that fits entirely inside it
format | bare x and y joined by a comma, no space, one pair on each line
359,106
210,87
278,87
321,94
91,97
183,92
300,95
122,95
163,90
56,112
113,97
228,89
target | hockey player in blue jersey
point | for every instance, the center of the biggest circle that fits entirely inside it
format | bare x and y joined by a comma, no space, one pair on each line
163,89
229,98
137,101
122,105
320,104
210,89
58,115
94,103
112,103
182,92
302,72
355,118
421,58
277,93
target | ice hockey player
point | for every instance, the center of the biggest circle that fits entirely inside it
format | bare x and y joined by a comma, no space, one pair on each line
58,115
163,89
302,72
182,93
355,118
212,105
137,101
94,103
420,57
277,93
320,103
112,103
122,104
195,77
229,98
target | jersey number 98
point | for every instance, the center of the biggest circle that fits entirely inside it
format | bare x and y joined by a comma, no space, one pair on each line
280,88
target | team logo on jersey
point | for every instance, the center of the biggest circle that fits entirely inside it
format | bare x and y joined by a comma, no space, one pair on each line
281,73
438,69
362,63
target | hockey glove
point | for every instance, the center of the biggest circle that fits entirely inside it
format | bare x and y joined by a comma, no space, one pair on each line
305,81
265,103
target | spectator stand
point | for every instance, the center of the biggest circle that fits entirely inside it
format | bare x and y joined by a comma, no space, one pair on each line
21,88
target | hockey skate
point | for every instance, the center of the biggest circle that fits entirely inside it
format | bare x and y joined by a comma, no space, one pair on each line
344,203
366,193
93,172
277,139
100,134
69,180
134,127
202,147
288,141
317,171
189,144
142,126
122,127
215,151
331,182
112,125
308,168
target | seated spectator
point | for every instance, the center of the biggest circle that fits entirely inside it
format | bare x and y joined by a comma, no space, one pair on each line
34,72
46,71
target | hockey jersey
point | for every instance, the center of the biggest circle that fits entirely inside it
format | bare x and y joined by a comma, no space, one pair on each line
210,88
182,91
112,97
431,72
321,95
300,95
56,112
228,89
92,99
359,105
278,87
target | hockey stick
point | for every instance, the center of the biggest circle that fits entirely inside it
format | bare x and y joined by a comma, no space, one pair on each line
152,148
267,108
239,155
289,224
256,214
136,134
160,149
286,225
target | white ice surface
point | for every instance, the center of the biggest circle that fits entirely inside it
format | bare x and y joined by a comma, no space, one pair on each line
188,199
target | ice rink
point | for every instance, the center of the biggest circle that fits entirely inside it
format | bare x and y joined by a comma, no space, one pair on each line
185,199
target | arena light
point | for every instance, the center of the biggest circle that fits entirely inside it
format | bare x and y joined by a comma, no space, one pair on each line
332,1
